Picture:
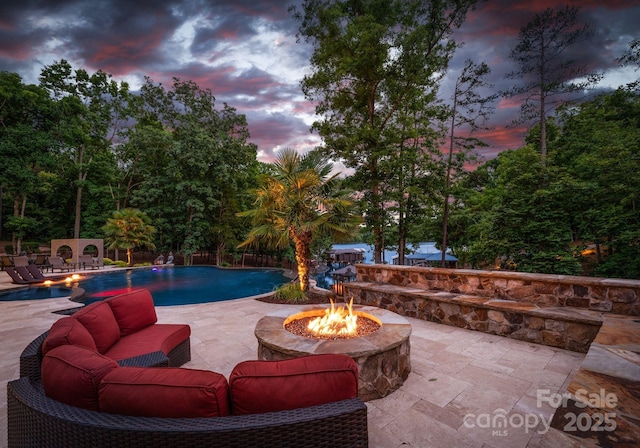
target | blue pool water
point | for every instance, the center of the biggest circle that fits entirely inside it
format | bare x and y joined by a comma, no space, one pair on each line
178,285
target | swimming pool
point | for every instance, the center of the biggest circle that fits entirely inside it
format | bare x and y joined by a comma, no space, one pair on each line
178,285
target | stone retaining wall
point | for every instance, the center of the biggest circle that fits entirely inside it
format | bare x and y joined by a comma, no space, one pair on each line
562,327
609,295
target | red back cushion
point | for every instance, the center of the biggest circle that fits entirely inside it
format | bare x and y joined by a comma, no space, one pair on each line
164,392
68,331
133,311
71,374
267,386
99,320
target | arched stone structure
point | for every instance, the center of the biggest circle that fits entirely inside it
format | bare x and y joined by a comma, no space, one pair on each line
78,246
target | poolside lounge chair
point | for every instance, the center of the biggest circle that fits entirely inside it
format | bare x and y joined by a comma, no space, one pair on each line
24,272
88,262
6,262
35,272
42,262
22,260
19,279
59,263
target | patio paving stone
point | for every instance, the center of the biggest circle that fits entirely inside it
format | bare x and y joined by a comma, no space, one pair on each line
454,371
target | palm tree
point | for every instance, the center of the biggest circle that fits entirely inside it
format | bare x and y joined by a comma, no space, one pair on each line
299,200
127,229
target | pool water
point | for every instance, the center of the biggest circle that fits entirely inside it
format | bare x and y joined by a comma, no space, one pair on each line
178,285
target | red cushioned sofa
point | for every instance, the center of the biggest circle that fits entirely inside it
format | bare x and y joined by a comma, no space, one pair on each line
109,375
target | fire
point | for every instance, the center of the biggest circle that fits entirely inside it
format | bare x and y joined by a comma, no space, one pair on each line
338,321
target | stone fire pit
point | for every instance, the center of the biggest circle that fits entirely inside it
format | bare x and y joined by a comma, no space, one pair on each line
383,357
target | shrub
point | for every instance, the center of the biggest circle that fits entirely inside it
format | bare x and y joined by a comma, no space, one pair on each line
31,246
291,293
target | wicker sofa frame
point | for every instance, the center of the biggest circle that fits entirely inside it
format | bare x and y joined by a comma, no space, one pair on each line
35,420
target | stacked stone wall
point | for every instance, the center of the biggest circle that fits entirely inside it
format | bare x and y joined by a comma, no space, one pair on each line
608,295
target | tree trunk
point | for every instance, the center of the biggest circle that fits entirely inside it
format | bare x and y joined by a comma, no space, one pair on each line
1,223
82,176
543,121
447,181
378,230
302,243
15,241
76,224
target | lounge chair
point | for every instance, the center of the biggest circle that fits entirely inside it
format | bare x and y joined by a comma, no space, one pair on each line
35,272
22,260
17,278
87,261
5,262
59,263
24,272
42,262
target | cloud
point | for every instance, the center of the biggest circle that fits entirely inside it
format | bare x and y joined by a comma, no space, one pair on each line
247,54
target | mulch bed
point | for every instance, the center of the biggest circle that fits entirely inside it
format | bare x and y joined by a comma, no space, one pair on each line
312,299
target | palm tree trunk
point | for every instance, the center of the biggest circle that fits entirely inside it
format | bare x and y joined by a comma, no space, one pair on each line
302,258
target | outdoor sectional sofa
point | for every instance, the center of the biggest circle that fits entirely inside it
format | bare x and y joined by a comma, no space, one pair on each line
86,382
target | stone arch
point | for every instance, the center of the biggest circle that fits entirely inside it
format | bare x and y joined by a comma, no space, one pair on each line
65,251
78,246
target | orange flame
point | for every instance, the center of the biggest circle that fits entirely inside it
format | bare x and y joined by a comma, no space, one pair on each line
336,321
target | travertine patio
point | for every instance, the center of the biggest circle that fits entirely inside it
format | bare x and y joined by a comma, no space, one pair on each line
455,373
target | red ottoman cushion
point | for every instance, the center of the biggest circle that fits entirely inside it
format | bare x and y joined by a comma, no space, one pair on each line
163,337
267,386
68,331
71,374
101,323
164,392
133,311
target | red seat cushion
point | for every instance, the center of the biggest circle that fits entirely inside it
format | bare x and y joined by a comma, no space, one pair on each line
133,311
71,374
101,323
68,331
164,337
267,386
164,392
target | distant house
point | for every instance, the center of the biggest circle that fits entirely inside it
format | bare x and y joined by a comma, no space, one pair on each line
429,259
347,256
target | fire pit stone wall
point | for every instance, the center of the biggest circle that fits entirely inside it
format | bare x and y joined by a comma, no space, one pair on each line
383,357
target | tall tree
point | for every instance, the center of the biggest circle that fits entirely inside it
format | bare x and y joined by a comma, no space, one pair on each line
299,202
632,57
371,60
599,149
469,111
548,78
127,229
25,118
92,108
190,161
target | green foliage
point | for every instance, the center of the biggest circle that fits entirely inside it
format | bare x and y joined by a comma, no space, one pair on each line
521,213
546,78
191,165
89,111
375,72
127,229
291,293
299,202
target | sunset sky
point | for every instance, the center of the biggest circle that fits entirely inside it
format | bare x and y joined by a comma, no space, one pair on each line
246,52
